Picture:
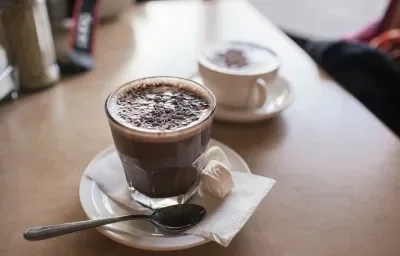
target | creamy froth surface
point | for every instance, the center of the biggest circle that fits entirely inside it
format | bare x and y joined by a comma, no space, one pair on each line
158,107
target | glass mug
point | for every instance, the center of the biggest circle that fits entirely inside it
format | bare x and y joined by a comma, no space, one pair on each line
162,166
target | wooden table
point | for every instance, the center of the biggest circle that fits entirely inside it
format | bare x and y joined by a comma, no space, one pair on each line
337,167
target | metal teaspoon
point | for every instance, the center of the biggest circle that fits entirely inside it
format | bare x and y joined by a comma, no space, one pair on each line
175,218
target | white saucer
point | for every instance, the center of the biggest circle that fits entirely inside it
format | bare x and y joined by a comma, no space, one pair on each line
279,97
140,234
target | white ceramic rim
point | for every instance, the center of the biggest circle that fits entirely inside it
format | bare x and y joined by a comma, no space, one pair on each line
88,187
253,115
201,59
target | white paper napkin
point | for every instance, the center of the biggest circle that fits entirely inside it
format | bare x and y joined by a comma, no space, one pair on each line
225,216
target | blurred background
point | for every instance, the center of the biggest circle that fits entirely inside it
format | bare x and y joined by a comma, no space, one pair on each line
40,40
322,18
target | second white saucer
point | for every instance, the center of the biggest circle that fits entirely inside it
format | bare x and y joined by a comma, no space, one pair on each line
280,96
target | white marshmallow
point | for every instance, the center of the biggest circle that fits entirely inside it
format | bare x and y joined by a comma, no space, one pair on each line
216,178
217,154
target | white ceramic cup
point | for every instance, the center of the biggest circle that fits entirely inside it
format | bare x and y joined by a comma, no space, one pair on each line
235,87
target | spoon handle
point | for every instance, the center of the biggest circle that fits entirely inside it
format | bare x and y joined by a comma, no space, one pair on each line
46,232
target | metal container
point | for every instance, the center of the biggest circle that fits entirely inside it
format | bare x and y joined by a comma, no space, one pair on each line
8,79
30,42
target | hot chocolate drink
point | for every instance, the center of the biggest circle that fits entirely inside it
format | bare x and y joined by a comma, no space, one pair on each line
159,107
239,57
160,127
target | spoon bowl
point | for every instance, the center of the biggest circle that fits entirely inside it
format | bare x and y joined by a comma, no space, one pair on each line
178,218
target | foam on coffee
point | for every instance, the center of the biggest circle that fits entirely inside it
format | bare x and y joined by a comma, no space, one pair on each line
238,58
160,105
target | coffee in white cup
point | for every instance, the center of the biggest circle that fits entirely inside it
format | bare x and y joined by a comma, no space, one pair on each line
237,72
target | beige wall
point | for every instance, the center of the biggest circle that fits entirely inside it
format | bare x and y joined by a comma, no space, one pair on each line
321,18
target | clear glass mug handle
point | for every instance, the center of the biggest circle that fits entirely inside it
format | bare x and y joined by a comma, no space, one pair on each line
260,86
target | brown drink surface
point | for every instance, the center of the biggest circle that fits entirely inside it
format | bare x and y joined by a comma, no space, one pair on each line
160,107
240,57
159,166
